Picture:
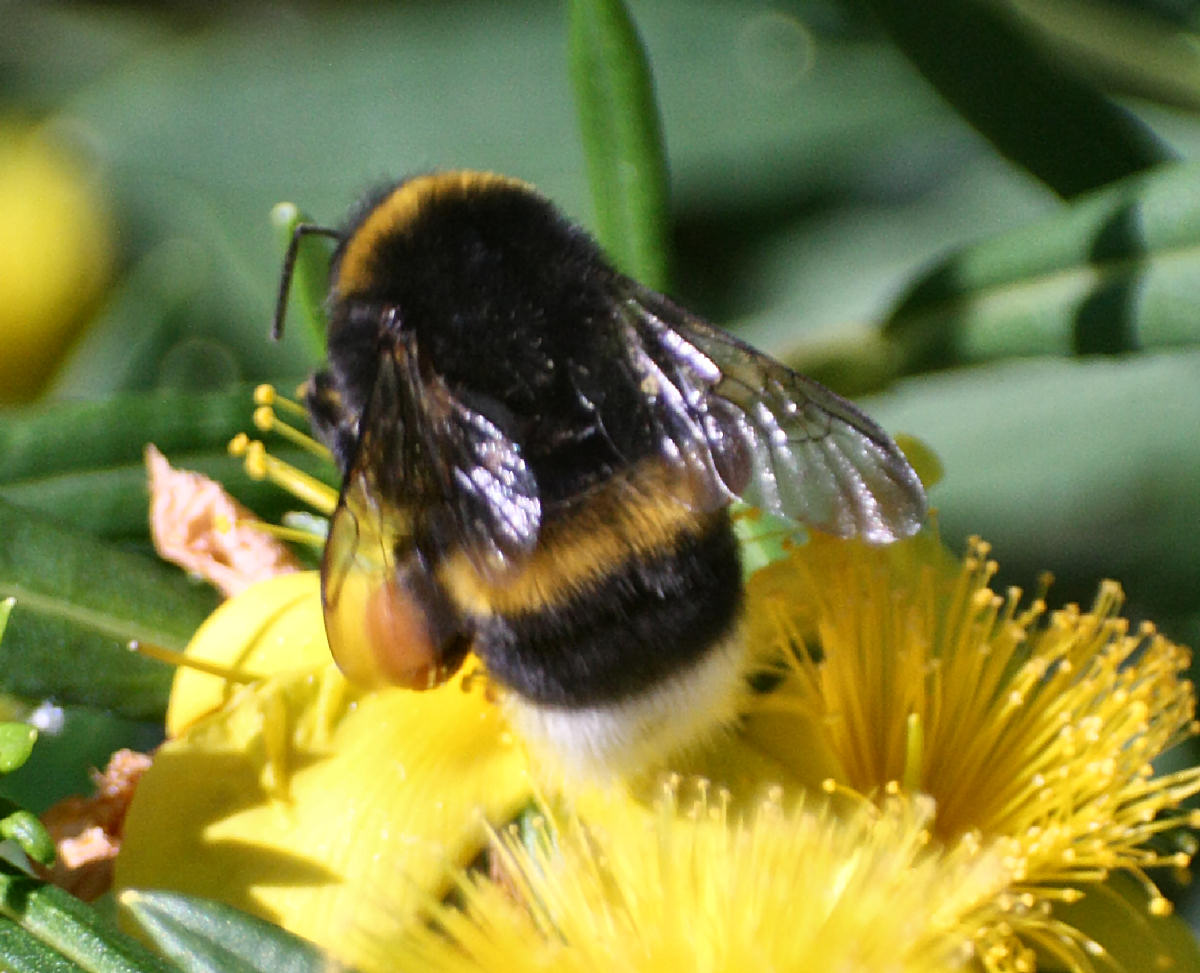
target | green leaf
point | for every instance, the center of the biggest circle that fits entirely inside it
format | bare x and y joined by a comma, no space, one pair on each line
44,440
112,503
762,538
79,602
23,827
82,462
211,937
1115,271
199,145
982,59
23,952
16,739
622,137
63,925
1136,49
1086,468
82,738
1117,916
309,274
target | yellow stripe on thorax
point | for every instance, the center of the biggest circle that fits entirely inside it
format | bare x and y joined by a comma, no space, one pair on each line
399,210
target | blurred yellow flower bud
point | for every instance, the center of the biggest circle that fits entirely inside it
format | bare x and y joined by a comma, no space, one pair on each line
55,257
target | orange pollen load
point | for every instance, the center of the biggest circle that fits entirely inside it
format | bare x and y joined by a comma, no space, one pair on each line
382,636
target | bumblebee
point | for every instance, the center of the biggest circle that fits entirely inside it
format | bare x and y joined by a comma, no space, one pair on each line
538,456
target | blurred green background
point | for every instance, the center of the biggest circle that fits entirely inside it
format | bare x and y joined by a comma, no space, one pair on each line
828,175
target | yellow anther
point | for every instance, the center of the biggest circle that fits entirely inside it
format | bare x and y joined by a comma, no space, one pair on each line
268,395
1160,906
261,465
255,456
266,420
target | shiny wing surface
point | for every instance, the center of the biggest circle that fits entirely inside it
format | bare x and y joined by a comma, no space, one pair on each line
752,428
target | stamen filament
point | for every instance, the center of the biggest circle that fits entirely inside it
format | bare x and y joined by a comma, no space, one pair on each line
269,395
182,661
266,420
296,535
914,752
261,465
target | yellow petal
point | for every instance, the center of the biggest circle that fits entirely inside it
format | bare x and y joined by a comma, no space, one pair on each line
332,812
274,626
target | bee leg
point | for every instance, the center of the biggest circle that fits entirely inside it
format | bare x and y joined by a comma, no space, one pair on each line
332,423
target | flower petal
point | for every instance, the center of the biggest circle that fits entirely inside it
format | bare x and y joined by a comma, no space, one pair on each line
274,626
332,812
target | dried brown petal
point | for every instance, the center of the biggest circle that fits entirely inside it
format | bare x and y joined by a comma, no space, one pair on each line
194,523
87,830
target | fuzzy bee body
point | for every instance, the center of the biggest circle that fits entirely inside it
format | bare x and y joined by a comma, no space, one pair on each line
538,454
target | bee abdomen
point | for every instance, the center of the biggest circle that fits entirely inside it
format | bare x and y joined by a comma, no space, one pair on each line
633,624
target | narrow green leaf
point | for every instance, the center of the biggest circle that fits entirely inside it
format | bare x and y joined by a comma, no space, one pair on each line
23,827
982,59
82,462
60,437
310,274
73,929
16,739
23,952
1137,49
112,503
1115,271
210,937
622,137
79,602
1086,468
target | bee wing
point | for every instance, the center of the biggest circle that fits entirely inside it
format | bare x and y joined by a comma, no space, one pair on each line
463,477
428,476
746,426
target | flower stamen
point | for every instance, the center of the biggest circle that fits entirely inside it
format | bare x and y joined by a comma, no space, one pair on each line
266,420
181,660
1031,728
261,465
284,532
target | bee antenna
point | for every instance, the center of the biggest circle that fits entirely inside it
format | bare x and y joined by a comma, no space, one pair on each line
299,231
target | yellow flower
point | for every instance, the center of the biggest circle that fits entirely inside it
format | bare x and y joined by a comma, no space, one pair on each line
949,774
330,811
695,888
1033,732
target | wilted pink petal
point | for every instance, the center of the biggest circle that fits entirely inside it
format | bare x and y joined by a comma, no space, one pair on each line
194,523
